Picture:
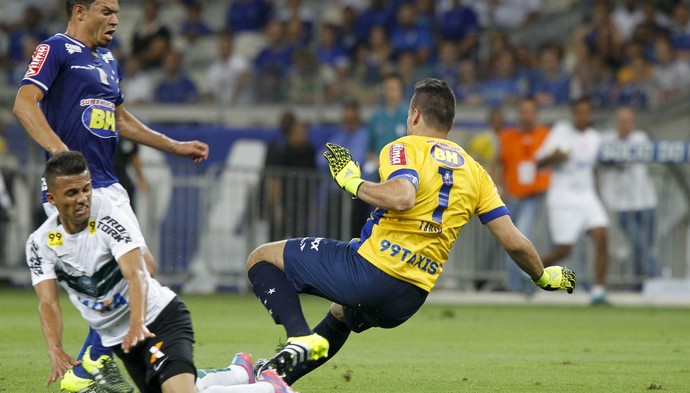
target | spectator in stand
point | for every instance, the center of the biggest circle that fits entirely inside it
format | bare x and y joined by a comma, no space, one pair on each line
671,76
446,68
361,78
126,157
378,14
524,186
524,61
425,11
512,14
411,72
461,24
628,190
272,65
298,19
348,29
636,84
137,86
502,86
304,77
194,25
409,36
627,15
152,39
175,87
498,43
329,52
468,90
387,123
602,36
290,210
680,31
29,30
380,50
248,15
229,75
594,78
550,84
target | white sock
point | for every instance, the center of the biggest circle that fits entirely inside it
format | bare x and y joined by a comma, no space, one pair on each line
258,387
598,291
229,376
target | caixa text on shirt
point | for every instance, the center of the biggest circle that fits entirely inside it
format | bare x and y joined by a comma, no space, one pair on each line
406,255
113,228
106,305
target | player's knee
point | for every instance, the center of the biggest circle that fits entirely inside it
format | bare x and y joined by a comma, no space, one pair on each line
270,252
337,311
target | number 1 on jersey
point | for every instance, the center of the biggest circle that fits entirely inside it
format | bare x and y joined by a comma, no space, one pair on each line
443,194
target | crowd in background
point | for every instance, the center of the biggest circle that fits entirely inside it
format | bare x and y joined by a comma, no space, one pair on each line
631,52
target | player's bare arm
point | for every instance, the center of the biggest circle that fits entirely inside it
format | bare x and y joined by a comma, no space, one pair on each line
395,194
51,322
29,114
132,267
133,129
517,246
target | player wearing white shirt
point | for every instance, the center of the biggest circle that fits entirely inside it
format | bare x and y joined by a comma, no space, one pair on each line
628,190
572,202
87,248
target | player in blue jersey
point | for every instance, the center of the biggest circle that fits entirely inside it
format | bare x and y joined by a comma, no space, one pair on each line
70,99
430,188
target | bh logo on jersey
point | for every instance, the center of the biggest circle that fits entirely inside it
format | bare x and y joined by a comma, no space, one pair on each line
99,117
447,156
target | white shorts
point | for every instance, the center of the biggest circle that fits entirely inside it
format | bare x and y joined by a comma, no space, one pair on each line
567,223
116,194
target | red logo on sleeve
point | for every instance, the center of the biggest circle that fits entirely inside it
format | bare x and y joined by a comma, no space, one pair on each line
396,154
37,60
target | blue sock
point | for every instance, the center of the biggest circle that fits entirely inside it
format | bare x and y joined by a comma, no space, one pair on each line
79,370
97,348
336,333
276,294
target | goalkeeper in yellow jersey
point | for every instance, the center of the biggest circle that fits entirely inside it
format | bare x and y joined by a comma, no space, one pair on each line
430,188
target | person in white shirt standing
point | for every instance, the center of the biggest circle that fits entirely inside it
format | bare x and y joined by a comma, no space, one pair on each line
628,190
573,206
229,75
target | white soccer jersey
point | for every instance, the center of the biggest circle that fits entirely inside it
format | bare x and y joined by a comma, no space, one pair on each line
572,182
626,187
85,264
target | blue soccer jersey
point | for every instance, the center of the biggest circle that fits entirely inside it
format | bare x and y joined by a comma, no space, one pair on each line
82,89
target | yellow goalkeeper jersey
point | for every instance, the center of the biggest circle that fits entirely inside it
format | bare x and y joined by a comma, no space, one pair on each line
413,245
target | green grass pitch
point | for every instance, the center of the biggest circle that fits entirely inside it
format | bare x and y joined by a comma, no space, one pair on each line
444,348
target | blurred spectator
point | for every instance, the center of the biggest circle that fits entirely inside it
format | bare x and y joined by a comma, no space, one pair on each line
272,65
411,72
126,161
627,15
329,52
408,36
425,14
446,68
137,85
290,200
348,29
483,145
511,14
304,78
468,89
628,190
523,184
361,77
671,76
248,15
387,123
380,50
18,70
498,44
654,24
502,85
550,83
680,31
229,75
194,26
352,134
27,33
573,205
525,62
299,20
636,85
175,87
152,39
376,15
461,24
602,36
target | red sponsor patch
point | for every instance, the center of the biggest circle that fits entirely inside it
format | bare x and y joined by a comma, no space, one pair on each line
396,154
37,60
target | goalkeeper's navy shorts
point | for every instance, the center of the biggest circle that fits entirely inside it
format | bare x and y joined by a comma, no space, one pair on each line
333,270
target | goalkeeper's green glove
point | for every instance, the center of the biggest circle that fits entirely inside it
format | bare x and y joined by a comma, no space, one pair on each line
557,277
345,172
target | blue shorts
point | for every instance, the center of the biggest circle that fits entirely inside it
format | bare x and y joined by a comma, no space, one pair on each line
333,270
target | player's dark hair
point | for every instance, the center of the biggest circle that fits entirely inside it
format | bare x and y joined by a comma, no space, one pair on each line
436,102
69,4
68,163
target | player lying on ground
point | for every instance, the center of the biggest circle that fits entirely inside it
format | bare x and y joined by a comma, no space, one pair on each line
86,247
430,189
